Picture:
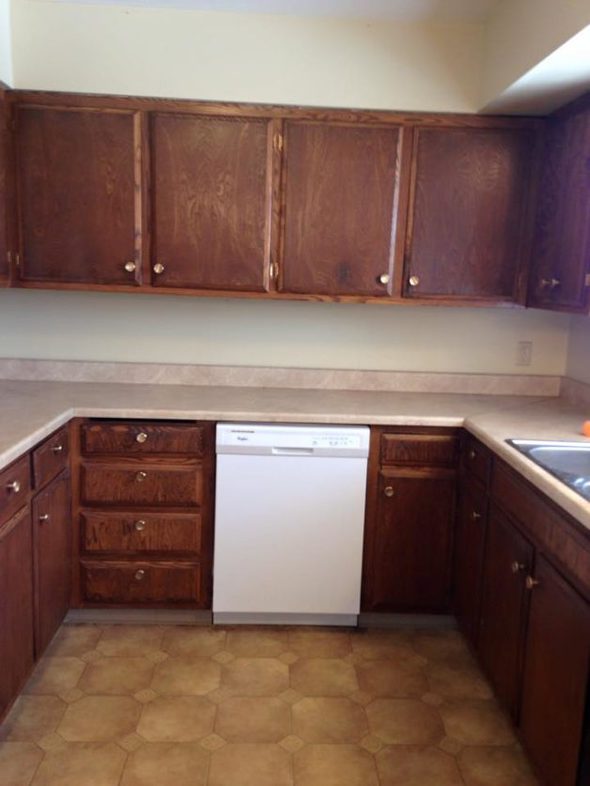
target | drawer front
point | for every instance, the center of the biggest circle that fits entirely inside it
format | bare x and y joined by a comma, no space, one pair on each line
143,533
140,582
15,486
142,438
51,458
476,459
419,449
141,484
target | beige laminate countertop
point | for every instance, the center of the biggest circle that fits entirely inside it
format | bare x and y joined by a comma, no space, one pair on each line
30,411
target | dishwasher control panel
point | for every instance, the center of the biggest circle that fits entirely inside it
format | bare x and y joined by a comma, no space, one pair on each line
280,439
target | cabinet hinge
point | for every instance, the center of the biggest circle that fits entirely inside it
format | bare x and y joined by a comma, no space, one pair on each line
278,142
587,280
274,271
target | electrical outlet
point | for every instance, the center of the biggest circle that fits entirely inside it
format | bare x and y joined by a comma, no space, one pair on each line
524,353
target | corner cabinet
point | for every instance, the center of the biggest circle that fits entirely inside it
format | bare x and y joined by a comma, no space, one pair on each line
468,228
340,208
79,182
561,259
212,186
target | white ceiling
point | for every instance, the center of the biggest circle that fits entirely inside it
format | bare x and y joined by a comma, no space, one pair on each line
394,10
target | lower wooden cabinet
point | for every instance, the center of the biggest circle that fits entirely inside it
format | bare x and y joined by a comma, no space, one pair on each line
555,682
156,583
52,540
509,559
408,533
16,606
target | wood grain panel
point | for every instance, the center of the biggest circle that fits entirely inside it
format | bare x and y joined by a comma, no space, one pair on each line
555,677
141,483
211,201
142,438
140,582
140,533
468,209
508,560
51,457
340,208
78,195
15,487
414,449
476,459
561,256
52,542
16,607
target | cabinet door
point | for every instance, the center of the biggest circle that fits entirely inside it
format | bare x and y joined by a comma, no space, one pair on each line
467,222
409,567
79,195
212,187
508,559
561,255
469,550
52,539
16,606
555,676
340,208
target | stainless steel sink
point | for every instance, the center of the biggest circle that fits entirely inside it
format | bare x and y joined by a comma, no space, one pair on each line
567,461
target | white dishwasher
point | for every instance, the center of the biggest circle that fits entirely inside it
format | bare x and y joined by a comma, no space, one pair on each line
289,517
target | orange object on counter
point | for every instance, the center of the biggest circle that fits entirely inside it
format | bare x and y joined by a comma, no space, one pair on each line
586,428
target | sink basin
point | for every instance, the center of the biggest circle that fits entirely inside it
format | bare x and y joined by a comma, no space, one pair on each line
567,461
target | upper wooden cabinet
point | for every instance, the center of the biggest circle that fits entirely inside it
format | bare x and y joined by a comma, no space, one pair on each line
561,254
4,139
340,208
79,202
211,200
467,233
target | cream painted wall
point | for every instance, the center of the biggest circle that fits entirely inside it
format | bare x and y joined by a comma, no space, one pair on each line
154,328
246,57
521,33
5,43
578,360
259,58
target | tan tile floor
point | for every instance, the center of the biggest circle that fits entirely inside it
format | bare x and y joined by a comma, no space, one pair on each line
184,706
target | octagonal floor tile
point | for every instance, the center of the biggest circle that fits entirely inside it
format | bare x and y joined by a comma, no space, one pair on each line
176,719
336,720
410,766
99,719
116,676
166,764
323,677
255,677
253,719
334,765
404,722
250,765
186,676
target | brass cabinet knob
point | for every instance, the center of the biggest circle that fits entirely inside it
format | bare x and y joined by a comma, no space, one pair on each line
388,491
472,454
140,525
475,516
140,476
516,567
44,517
57,448
549,283
159,268
130,267
14,486
531,583
141,437
414,281
384,278
139,574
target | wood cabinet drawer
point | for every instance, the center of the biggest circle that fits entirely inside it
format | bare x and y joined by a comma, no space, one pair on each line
476,459
15,486
141,438
419,449
140,582
144,533
50,458
141,483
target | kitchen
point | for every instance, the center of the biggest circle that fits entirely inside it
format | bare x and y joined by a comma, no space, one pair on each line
314,228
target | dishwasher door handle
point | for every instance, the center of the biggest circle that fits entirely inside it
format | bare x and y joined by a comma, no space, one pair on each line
292,451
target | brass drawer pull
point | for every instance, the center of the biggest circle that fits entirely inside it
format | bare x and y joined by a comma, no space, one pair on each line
14,486
140,476
44,517
141,437
388,491
57,448
159,268
531,583
139,574
384,278
414,281
130,267
140,525
549,283
517,567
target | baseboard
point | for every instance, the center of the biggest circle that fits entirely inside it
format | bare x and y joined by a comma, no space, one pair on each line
138,617
429,621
